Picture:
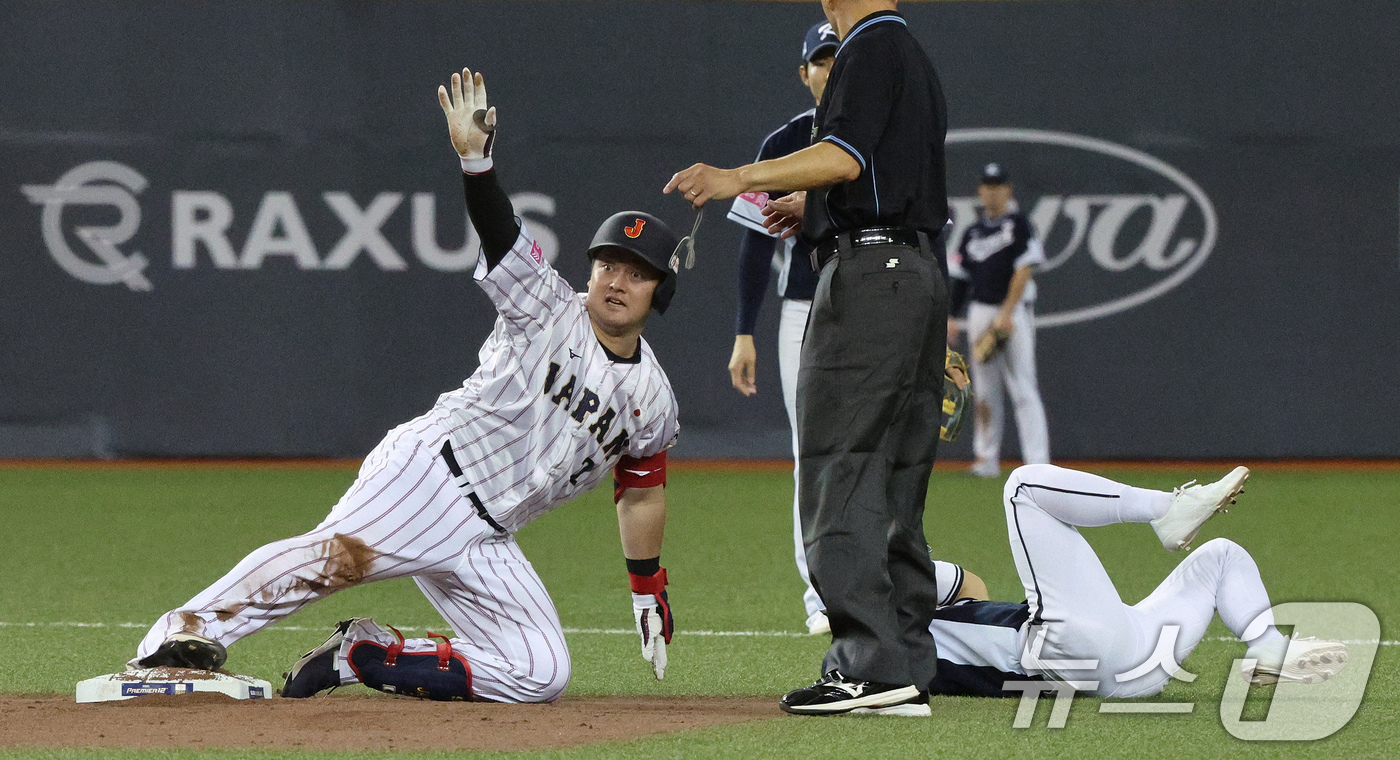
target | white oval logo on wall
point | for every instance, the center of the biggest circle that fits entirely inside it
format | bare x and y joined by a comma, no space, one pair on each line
1120,227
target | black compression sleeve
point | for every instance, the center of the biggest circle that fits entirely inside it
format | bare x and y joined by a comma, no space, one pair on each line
755,265
644,567
491,214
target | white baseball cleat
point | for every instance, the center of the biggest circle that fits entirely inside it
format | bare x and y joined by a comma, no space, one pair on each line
984,469
818,624
1309,660
1193,504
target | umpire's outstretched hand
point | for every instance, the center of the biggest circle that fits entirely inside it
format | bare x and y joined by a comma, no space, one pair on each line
702,182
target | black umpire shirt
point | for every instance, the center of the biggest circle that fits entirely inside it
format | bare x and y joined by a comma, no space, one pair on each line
884,105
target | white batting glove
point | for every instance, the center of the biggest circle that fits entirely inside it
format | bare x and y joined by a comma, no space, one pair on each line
652,628
471,123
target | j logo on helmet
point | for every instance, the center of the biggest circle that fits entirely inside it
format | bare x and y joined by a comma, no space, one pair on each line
635,230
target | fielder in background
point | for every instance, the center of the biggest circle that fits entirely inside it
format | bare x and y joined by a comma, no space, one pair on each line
1073,626
759,254
566,390
992,268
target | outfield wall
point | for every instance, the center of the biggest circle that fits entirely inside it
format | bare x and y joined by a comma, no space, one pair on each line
276,261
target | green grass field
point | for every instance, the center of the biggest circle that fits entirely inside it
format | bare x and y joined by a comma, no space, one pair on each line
92,556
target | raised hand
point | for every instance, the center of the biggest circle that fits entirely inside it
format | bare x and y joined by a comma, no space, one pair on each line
471,123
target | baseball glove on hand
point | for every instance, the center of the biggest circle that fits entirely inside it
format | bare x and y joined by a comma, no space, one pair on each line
992,342
652,612
957,396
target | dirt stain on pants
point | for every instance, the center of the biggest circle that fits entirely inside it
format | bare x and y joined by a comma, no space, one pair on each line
347,562
191,623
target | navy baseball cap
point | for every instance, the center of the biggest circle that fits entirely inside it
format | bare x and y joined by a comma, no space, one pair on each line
820,37
993,174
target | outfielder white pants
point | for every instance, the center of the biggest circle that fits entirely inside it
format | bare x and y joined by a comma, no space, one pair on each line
792,325
403,517
1012,372
1132,648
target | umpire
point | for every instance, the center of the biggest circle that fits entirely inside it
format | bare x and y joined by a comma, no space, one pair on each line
870,385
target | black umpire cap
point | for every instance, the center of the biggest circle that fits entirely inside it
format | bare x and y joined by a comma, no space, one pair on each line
646,237
993,174
820,38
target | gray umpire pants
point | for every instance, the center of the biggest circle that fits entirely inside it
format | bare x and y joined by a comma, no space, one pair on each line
869,400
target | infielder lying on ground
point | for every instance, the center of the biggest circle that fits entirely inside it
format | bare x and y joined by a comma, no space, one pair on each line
566,390
983,644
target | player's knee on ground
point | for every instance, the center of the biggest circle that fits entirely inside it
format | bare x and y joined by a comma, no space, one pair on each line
546,681
541,675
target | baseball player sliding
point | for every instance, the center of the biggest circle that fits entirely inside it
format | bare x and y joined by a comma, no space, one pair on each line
1074,628
566,390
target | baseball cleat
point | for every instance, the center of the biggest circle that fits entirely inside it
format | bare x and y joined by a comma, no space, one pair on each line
186,650
1193,504
818,624
1309,660
836,694
984,469
316,670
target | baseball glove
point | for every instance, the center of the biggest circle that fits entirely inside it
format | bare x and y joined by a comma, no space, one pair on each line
992,342
957,395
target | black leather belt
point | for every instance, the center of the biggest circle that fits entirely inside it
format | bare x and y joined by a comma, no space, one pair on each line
456,469
860,238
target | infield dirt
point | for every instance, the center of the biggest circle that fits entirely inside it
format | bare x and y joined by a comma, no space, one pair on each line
369,722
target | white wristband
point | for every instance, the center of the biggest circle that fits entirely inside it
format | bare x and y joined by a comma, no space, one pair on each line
477,165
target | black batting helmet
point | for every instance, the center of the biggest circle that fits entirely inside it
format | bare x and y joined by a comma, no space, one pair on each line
647,237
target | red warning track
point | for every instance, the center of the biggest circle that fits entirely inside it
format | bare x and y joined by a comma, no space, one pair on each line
717,465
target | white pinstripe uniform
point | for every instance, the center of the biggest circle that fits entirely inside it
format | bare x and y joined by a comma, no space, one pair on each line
546,414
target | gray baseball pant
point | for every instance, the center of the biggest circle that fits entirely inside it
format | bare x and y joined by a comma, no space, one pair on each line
869,400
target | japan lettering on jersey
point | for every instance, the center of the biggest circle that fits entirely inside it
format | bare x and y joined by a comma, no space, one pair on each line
550,411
